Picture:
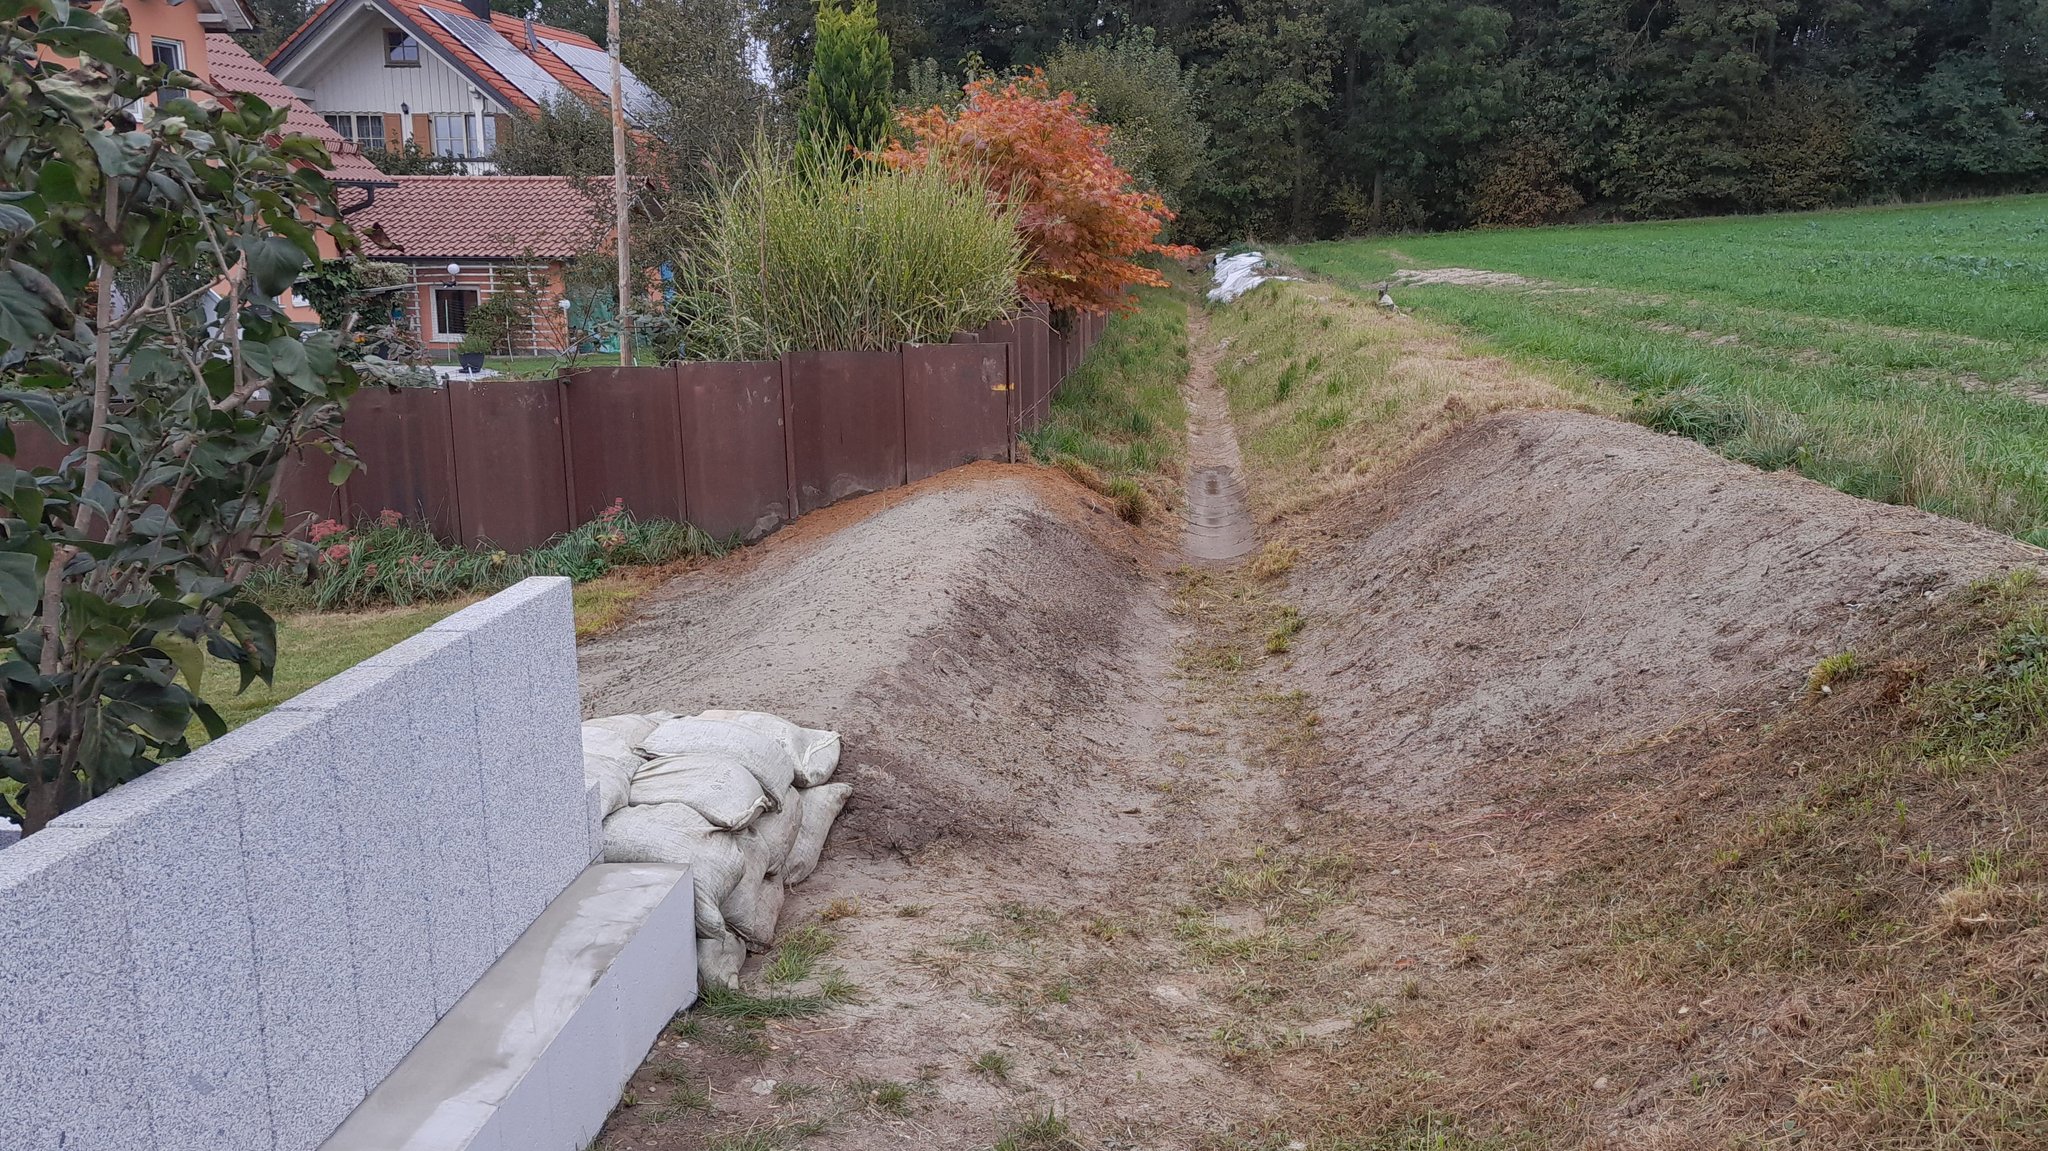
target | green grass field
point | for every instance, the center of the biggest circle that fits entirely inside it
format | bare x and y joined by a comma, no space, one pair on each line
1121,410
1900,354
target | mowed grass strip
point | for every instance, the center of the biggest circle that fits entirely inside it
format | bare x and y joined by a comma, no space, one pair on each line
1121,413
1898,354
1325,391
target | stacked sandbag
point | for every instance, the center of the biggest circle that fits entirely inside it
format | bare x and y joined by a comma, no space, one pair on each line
743,798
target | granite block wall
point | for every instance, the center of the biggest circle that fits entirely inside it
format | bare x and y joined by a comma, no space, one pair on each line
235,949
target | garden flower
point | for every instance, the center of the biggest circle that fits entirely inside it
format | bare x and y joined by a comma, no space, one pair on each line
324,529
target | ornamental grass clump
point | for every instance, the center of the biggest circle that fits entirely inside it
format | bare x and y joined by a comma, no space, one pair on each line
392,560
855,256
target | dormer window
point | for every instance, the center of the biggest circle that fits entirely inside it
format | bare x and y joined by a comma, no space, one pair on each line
400,49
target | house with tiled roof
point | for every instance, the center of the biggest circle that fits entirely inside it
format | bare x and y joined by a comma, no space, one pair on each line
446,75
235,70
468,238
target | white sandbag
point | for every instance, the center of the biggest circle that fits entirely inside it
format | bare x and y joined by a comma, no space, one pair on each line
751,910
764,758
609,761
631,728
719,958
821,806
710,920
715,786
774,834
814,750
675,833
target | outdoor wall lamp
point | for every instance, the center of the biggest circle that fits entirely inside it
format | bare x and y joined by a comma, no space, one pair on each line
454,270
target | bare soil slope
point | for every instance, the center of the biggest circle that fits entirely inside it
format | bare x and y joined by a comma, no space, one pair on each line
971,638
1551,579
994,653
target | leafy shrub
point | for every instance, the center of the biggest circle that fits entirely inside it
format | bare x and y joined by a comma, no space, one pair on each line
123,562
1525,185
1083,218
389,560
846,102
493,321
1136,86
797,257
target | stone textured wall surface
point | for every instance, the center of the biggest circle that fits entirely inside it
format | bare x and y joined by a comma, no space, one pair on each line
232,951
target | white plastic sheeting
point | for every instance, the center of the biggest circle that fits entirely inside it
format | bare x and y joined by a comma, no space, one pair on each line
742,798
1238,274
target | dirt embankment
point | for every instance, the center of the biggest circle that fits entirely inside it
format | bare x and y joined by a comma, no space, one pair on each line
994,647
971,638
1550,579
1503,819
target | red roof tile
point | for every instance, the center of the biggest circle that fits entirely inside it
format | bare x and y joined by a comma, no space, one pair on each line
482,218
237,71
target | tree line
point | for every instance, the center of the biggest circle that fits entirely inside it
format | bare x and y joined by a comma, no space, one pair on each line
1323,117
1298,118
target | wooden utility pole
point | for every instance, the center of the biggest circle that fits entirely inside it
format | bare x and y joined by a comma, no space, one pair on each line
619,196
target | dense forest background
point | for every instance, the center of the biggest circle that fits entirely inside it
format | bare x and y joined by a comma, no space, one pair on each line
1294,118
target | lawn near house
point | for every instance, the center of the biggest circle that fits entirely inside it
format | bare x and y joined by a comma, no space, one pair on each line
1899,354
313,646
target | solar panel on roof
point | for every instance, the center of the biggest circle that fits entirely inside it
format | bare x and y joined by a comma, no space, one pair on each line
509,62
643,107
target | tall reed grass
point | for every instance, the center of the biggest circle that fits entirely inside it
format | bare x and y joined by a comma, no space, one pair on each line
806,257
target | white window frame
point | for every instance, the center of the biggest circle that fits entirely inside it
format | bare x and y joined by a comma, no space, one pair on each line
479,135
157,44
442,128
350,127
407,40
434,320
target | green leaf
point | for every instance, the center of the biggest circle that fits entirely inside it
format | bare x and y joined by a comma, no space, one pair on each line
188,654
258,635
41,407
274,264
209,719
288,359
58,182
20,585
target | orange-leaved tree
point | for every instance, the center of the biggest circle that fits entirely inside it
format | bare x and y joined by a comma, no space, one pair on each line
1084,220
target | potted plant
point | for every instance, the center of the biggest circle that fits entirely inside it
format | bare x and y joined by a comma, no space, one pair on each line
472,350
490,328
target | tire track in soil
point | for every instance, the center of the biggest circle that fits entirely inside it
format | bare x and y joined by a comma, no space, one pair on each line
1217,517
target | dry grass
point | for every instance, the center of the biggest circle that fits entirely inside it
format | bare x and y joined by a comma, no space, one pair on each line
1822,924
1325,391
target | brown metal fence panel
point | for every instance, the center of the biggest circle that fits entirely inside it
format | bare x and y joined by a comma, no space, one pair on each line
34,447
625,429
735,465
1003,332
303,491
845,424
956,406
407,451
510,475
1035,340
